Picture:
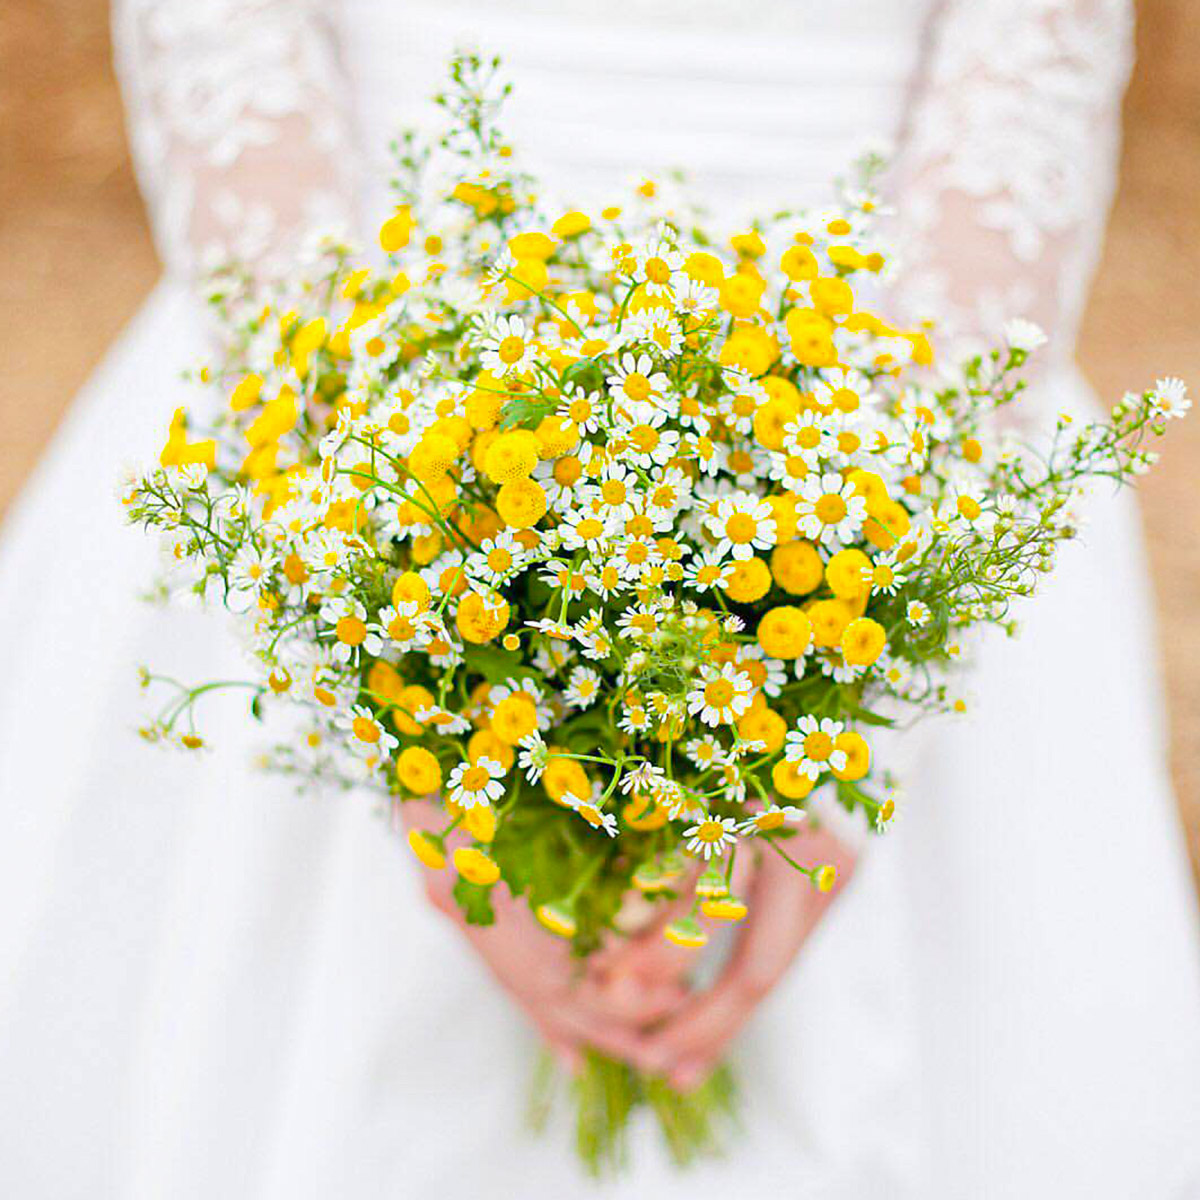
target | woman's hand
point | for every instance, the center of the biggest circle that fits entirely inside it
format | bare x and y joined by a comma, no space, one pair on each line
569,1004
785,908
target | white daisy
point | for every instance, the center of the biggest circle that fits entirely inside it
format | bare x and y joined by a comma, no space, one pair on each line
743,523
711,837
507,346
583,688
830,510
475,783
811,746
721,695
635,380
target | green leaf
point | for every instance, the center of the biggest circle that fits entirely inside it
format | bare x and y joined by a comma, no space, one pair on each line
475,902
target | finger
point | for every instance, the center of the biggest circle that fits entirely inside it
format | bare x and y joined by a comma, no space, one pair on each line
631,1000
784,910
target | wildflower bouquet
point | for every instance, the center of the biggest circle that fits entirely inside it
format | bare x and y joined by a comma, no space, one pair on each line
616,541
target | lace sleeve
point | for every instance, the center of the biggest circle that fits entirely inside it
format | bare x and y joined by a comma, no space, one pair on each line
1006,171
238,124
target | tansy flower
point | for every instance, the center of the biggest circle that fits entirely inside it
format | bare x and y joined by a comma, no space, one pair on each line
475,783
711,837
742,524
811,749
720,695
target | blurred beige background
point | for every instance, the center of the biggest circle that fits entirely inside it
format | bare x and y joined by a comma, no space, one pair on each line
76,260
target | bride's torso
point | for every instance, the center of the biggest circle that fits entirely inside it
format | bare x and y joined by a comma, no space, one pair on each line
762,101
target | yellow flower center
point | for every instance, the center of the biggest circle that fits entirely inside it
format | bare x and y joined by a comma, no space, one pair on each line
499,559
636,386
475,778
401,629
741,528
351,631
613,491
366,730
657,270
809,437
580,409
719,693
710,831
818,746
511,349
645,438
830,509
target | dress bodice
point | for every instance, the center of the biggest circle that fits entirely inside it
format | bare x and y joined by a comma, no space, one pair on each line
253,120
760,102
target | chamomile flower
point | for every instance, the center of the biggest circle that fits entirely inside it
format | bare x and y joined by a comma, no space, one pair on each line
583,688
507,346
635,380
585,409
720,695
591,812
475,783
831,511
352,635
812,747
367,735
498,559
1170,398
770,817
711,837
918,613
743,523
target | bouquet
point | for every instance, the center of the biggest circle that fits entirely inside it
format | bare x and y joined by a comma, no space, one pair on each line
619,542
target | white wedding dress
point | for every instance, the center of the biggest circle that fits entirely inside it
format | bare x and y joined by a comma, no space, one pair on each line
210,988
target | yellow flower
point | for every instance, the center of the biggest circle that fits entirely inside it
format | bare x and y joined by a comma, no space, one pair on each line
829,620
686,932
726,908
797,568
511,457
571,224
531,245
432,456
863,641
480,621
825,877
557,918
844,572
789,781
515,718
426,849
475,866
521,503
857,752
397,230
419,771
749,581
784,632
485,744
480,822
740,294
410,588
763,724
